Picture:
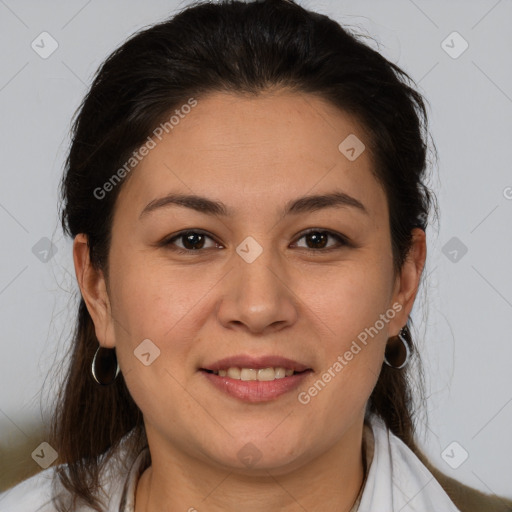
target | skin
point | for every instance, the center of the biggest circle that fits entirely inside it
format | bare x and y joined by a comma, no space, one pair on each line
254,154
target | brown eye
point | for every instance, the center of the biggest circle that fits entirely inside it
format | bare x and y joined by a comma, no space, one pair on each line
318,239
193,241
188,241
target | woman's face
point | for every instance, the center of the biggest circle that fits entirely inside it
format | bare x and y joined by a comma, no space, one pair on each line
250,286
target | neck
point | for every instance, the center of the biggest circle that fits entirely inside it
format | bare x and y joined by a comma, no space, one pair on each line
177,481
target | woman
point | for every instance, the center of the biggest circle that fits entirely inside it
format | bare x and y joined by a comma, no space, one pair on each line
246,194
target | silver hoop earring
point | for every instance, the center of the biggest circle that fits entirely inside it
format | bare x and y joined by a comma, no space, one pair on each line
104,367
397,353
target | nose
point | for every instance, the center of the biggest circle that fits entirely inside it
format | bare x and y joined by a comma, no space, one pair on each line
257,296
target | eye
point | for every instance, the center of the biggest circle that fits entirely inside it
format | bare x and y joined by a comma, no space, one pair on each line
318,239
190,241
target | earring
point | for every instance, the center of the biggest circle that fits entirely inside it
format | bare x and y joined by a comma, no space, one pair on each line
104,367
397,351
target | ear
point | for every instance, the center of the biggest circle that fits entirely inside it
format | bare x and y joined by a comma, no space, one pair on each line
94,291
408,280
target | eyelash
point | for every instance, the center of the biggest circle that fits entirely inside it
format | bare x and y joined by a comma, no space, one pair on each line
342,240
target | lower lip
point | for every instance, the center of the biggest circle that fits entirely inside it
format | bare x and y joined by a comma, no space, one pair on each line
255,390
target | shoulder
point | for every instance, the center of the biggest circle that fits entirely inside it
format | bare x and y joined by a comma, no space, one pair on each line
434,484
38,493
411,486
41,492
31,495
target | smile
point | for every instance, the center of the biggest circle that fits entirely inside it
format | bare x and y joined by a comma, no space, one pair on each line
253,378
251,385
248,374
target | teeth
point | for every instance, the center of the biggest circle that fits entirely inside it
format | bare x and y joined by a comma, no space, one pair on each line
247,374
280,373
266,374
234,373
263,374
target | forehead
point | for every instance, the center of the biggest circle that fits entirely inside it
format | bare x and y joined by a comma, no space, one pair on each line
276,145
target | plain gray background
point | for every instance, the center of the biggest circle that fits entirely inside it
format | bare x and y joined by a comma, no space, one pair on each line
465,338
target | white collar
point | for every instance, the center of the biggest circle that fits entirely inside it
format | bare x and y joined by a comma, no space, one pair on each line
398,480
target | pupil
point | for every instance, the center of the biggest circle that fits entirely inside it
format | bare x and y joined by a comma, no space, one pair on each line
191,240
318,239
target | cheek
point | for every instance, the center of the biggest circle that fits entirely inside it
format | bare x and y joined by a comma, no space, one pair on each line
167,307
152,300
349,304
347,299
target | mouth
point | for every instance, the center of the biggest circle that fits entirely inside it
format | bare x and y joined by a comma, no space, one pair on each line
252,374
256,379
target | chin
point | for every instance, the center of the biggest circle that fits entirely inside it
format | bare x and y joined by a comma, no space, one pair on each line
256,454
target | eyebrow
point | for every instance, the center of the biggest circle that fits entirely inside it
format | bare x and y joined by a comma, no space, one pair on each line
336,199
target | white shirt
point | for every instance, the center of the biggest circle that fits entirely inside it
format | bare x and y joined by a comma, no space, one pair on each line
397,481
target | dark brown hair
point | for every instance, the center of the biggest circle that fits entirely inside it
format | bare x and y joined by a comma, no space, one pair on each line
234,47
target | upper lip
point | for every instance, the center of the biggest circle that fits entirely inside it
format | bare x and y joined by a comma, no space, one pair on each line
256,363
